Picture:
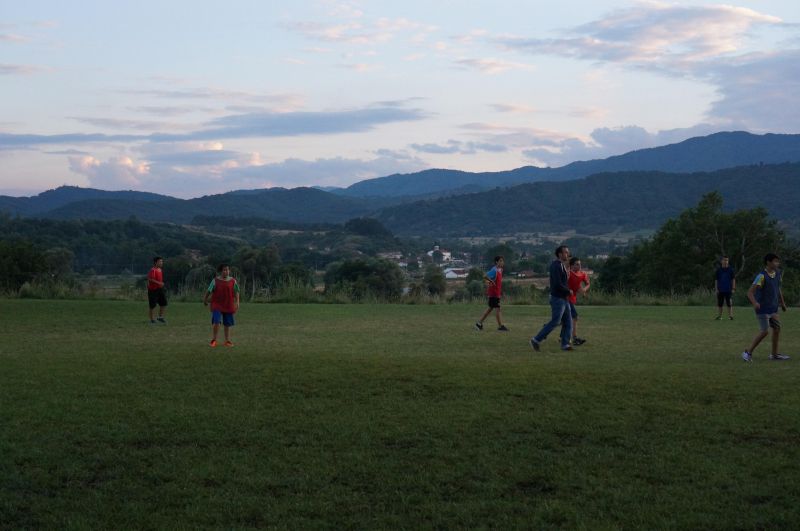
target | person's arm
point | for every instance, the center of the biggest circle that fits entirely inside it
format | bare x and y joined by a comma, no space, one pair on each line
152,279
587,286
490,276
733,280
751,295
208,293
783,302
236,291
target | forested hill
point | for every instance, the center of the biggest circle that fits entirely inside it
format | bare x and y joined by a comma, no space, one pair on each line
296,205
65,195
706,153
600,203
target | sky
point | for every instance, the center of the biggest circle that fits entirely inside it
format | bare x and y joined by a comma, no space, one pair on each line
190,98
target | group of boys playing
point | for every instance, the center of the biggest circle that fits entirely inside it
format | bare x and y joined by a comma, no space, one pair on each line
567,280
222,293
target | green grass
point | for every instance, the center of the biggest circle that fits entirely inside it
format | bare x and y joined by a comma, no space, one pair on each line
393,416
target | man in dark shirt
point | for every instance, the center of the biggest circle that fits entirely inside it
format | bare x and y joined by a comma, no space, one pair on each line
559,305
724,285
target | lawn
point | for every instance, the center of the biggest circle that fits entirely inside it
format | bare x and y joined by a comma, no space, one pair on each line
393,416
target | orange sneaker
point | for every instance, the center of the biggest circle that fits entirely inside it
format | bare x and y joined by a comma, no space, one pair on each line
213,343
228,344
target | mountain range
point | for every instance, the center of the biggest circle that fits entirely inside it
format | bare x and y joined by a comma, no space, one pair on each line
635,190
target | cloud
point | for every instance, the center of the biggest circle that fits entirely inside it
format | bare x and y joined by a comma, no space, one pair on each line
12,37
115,174
166,110
362,32
456,146
326,172
654,33
20,70
246,125
281,102
67,152
716,44
116,123
760,90
605,142
512,108
492,65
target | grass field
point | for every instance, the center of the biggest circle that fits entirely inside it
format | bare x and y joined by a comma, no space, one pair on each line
393,416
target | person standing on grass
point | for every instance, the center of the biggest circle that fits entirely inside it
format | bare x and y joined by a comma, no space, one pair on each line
224,294
578,282
765,296
559,305
494,281
725,286
156,293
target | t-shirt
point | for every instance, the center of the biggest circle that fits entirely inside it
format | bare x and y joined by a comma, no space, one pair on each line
575,282
223,296
768,288
724,278
154,274
496,289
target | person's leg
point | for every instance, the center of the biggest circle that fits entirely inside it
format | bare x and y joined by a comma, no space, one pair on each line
216,318
573,310
730,306
499,316
557,309
776,333
485,314
227,320
720,298
151,303
763,325
566,328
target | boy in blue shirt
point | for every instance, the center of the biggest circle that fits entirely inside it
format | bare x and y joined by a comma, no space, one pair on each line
765,296
724,285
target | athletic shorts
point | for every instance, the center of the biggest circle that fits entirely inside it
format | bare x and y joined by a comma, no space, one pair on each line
723,296
573,310
767,320
494,302
157,297
218,317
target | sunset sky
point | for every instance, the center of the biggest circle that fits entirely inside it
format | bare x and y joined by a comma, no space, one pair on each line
188,98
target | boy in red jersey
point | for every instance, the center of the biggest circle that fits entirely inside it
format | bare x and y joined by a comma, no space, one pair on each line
494,279
156,294
224,294
576,281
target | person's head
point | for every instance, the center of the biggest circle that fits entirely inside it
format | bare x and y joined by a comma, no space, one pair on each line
158,261
562,253
224,270
724,261
772,261
499,261
575,264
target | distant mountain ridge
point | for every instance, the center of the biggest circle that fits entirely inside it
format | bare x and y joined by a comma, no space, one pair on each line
645,192
707,153
600,203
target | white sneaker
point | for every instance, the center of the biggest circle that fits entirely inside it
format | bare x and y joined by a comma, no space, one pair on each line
746,356
779,357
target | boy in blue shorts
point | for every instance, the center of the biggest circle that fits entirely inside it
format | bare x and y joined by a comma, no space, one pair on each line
765,296
224,294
